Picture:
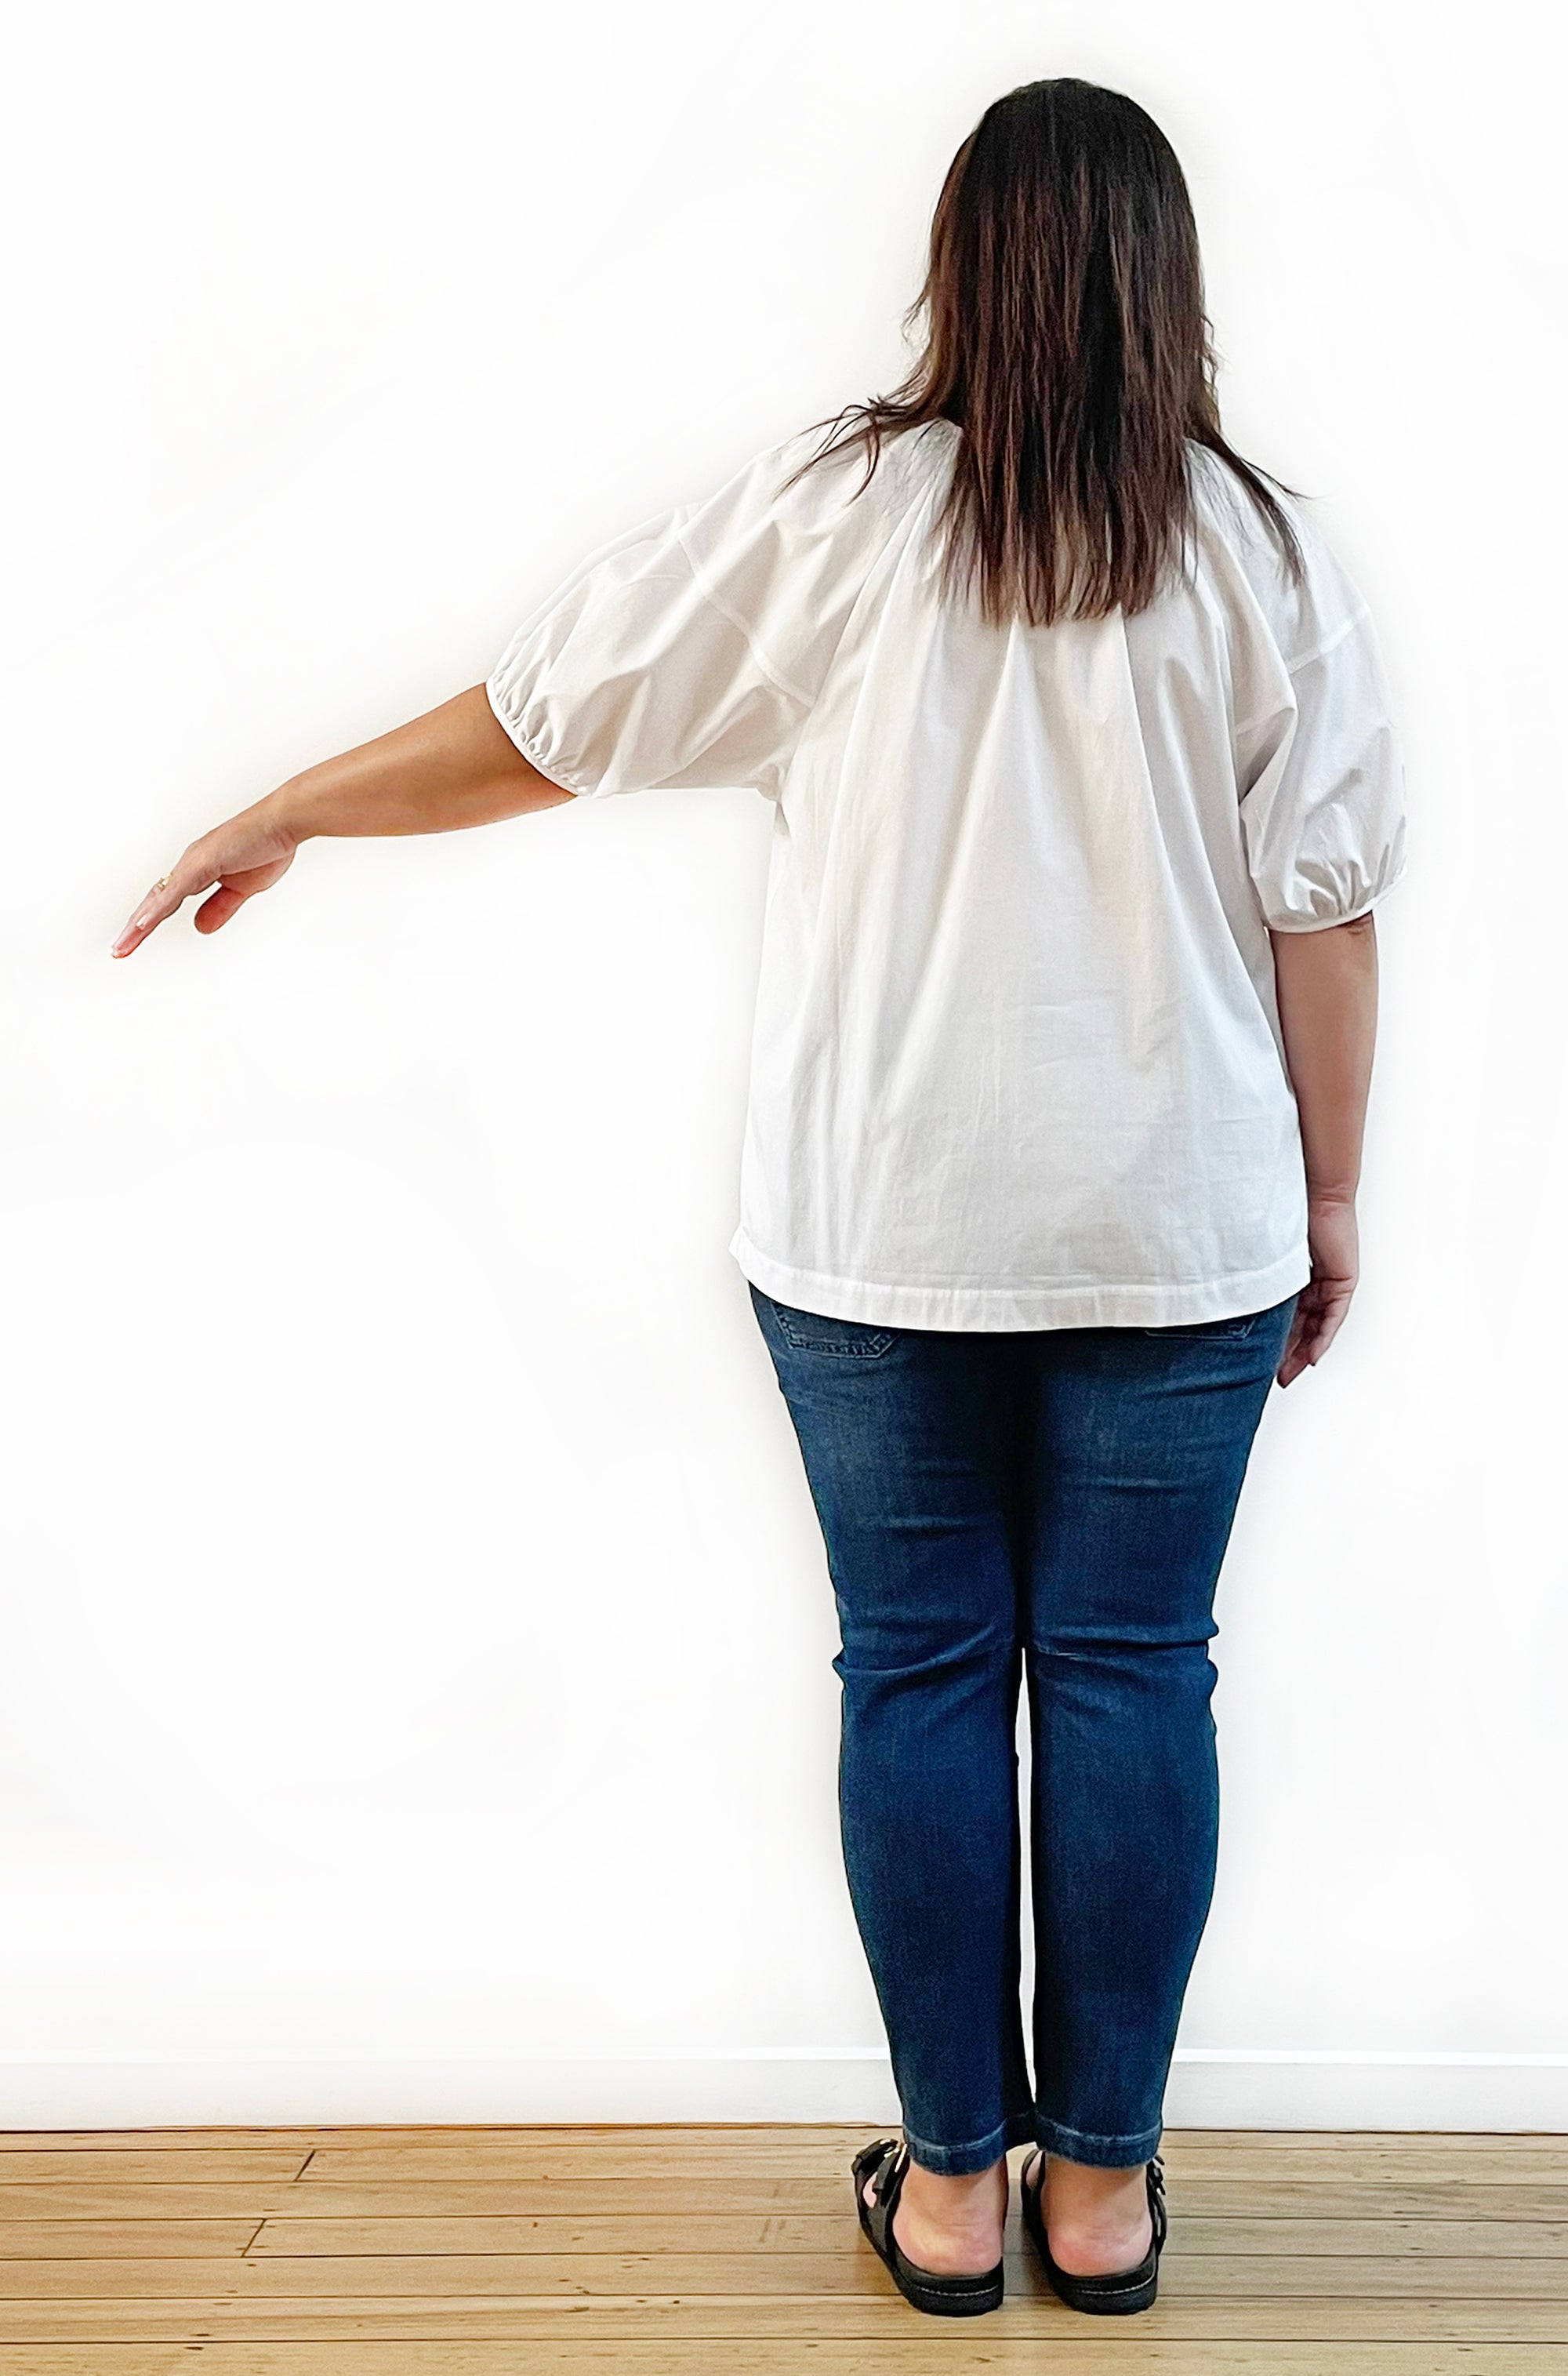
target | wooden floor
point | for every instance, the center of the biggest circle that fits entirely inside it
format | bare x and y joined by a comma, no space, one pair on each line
681,2252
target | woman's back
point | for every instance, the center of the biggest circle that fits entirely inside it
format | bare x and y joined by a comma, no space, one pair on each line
1017,1060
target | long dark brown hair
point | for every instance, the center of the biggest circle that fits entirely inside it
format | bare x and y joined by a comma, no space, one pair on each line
1066,336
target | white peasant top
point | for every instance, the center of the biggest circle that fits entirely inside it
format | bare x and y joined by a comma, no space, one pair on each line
1016,1057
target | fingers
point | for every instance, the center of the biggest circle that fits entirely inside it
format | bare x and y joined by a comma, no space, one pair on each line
167,896
1319,1317
1292,1361
218,909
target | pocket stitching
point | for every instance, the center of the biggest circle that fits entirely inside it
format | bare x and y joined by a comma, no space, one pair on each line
868,1348
1224,1332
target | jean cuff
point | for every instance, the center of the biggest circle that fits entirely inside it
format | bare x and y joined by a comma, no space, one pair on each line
962,2161
1101,2152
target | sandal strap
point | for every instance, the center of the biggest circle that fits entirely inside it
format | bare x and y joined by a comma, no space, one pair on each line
870,2157
1159,2217
882,2165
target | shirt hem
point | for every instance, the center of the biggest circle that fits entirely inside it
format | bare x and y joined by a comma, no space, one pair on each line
892,1303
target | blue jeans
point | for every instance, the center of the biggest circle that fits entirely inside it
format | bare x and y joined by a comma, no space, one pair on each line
1050,1506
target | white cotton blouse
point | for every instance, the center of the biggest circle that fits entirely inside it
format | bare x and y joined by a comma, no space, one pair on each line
1016,1057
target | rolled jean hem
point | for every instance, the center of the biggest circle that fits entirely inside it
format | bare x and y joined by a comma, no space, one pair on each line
962,2161
1101,2152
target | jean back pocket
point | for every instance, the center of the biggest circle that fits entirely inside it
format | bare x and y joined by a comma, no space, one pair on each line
818,1332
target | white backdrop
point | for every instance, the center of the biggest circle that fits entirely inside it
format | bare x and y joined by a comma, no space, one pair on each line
415,1696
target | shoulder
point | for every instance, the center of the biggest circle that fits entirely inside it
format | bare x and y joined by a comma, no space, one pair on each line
1303,617
822,472
803,501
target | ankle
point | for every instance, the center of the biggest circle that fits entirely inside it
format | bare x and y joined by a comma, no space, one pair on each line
952,2225
970,2186
1098,2219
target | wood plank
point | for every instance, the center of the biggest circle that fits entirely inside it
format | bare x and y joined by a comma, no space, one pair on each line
631,2231
1455,2143
457,2139
1082,2354
642,2156
124,2240
96,2359
829,2137
698,2191
1506,2165
1192,2277
884,2319
129,2166
696,2232
638,2158
298,2141
1443,2199
102,2199
625,2157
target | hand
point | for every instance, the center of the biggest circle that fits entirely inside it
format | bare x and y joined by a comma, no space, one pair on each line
247,855
1325,1299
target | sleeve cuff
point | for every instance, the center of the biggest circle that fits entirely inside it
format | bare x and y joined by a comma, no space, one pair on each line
1348,916
551,773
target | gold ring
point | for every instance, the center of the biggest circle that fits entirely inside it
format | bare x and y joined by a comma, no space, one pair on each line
161,883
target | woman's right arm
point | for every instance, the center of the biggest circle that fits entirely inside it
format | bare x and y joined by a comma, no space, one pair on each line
1326,984
455,767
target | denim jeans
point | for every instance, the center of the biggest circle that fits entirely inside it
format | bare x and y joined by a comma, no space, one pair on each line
1049,1506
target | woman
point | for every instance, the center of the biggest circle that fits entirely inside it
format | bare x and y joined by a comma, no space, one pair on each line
1084,791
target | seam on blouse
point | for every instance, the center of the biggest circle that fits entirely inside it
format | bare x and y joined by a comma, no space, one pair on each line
893,517
1321,650
1292,668
705,588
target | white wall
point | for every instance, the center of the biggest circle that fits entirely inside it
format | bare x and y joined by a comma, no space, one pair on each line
416,1696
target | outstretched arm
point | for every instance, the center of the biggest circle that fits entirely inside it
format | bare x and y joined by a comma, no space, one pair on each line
1326,983
454,766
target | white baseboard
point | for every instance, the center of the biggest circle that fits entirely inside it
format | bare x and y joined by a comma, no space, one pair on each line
1220,2088
1209,2089
764,2085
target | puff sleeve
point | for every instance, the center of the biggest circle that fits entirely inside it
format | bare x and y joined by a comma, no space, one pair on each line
1321,775
689,651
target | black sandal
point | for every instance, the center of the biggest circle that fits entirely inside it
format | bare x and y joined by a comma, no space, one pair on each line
884,2164
1127,2289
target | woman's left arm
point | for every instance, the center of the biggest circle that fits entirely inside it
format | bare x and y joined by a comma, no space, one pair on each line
455,767
1327,991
